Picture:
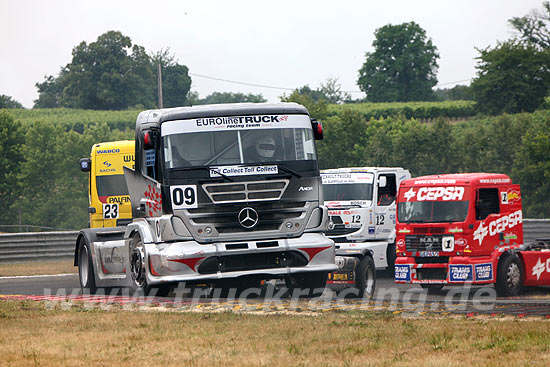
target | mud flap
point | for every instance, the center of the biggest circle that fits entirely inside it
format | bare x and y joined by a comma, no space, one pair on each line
112,263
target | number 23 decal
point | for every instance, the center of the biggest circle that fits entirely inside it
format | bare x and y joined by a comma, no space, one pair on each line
184,196
110,211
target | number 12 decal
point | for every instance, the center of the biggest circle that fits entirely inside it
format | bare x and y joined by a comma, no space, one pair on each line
110,211
184,196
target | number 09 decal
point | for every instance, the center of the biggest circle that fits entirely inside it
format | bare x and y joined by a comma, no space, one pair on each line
184,196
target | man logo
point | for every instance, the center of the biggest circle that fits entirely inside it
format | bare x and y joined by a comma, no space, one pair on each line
248,218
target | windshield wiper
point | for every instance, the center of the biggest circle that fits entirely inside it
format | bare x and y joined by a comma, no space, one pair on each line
182,169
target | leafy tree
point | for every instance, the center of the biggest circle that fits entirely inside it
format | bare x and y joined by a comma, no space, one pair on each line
317,108
402,67
535,27
332,91
512,77
229,97
176,81
50,91
456,93
9,102
11,139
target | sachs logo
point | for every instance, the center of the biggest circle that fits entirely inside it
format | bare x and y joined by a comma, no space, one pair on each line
435,193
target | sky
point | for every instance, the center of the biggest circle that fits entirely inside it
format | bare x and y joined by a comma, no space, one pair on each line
281,44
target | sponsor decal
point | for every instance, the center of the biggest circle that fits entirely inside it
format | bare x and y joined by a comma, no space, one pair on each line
403,272
435,193
495,180
342,212
372,230
456,230
436,182
107,151
305,188
107,164
498,225
540,267
347,178
118,199
235,123
484,271
107,170
243,170
461,242
460,273
401,242
404,230
129,158
513,196
428,253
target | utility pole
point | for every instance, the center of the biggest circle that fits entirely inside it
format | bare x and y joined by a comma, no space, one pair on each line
159,84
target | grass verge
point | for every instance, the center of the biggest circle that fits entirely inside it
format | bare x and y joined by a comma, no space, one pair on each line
38,268
32,334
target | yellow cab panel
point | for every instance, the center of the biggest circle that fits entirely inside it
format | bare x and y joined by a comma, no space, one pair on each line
109,198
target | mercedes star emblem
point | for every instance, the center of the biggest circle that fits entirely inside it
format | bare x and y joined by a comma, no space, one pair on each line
248,217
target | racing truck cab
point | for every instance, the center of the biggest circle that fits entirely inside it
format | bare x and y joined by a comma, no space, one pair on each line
219,192
362,211
454,229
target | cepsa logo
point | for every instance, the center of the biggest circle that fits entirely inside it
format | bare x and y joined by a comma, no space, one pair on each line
435,193
498,225
540,267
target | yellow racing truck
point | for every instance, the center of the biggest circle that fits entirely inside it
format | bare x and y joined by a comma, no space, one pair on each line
109,201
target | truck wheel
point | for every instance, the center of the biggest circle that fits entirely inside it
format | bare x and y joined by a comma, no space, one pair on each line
391,256
313,282
138,269
432,288
509,277
366,277
86,268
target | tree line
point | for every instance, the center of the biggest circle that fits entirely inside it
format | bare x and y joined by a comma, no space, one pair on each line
41,183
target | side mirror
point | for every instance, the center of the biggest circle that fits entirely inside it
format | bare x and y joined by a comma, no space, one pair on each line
382,181
317,129
85,164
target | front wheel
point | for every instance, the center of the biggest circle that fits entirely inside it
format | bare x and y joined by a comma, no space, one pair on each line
509,277
85,268
311,284
138,271
366,277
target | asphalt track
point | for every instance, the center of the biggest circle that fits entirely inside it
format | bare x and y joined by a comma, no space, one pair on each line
402,299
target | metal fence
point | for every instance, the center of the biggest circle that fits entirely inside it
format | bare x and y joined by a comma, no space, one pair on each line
58,245
36,246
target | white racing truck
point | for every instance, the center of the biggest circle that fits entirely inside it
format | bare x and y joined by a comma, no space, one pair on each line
227,195
362,209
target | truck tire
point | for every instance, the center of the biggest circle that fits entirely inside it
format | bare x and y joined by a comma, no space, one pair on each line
85,268
366,277
432,288
314,282
391,256
509,276
138,271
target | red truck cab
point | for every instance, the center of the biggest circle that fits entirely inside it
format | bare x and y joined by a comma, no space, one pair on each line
465,228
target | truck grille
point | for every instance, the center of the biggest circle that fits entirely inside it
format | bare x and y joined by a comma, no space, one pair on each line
245,191
423,243
224,217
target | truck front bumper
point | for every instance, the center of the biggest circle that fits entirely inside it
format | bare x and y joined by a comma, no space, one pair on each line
190,261
458,270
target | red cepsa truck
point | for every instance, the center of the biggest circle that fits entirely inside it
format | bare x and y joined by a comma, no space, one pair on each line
455,229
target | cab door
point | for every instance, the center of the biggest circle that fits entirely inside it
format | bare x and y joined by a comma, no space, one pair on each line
384,216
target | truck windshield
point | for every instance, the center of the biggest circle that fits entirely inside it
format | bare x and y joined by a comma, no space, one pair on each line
217,148
347,192
432,211
111,185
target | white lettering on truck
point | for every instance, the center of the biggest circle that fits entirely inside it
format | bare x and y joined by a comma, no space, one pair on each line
498,225
436,193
